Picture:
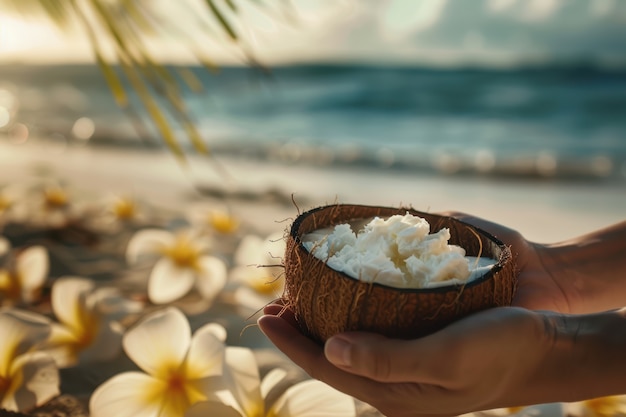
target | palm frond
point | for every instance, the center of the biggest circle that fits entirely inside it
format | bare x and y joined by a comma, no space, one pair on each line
119,31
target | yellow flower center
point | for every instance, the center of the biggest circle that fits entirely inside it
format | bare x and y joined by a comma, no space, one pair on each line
10,285
183,253
223,222
267,285
10,383
87,335
124,209
4,386
175,393
606,406
55,198
5,204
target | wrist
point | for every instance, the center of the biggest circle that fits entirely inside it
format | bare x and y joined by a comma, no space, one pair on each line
559,262
588,269
588,354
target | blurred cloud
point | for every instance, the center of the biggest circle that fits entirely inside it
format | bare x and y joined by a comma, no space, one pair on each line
488,32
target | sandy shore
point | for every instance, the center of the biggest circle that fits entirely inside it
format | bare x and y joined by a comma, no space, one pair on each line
261,191
269,195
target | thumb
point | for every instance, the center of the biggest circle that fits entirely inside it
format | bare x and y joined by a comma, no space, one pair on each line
380,358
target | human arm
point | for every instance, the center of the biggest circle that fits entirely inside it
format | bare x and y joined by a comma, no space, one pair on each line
585,274
501,357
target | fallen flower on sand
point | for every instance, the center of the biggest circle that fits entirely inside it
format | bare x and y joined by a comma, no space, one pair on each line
258,272
21,281
27,378
116,213
46,205
179,369
88,327
9,195
5,245
183,263
309,398
212,218
608,406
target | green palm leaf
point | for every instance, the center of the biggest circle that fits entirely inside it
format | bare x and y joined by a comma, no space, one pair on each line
124,26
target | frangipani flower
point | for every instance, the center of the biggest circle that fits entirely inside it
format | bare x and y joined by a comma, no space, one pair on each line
21,281
258,271
537,410
27,379
183,263
213,218
9,195
5,245
88,329
609,406
47,205
117,212
178,370
249,395
5,204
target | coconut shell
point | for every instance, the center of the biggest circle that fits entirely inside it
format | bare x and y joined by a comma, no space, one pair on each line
327,302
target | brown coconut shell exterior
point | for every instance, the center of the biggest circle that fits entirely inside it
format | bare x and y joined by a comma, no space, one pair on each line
327,302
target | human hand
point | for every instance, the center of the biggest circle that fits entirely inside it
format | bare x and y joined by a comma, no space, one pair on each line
538,286
497,358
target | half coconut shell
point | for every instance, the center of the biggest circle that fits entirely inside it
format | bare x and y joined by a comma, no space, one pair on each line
327,302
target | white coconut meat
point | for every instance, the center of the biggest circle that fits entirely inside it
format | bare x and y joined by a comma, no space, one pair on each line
398,251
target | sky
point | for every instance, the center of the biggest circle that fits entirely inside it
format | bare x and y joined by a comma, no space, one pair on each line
442,32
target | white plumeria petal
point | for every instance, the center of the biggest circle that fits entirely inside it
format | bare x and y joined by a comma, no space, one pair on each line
5,245
212,278
36,379
271,380
107,344
68,299
212,408
254,250
274,247
32,267
147,242
159,342
245,383
249,251
20,331
206,352
249,301
313,398
200,241
130,394
60,345
168,282
216,330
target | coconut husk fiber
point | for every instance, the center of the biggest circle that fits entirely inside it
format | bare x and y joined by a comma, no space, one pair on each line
327,302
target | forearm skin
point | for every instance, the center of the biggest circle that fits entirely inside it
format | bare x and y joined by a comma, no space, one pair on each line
590,269
588,358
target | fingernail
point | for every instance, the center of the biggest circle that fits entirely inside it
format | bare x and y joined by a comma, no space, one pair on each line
338,351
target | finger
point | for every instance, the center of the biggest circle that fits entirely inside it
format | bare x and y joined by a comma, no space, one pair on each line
307,354
386,360
506,234
283,312
280,301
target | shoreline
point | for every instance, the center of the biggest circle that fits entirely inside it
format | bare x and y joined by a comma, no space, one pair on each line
267,192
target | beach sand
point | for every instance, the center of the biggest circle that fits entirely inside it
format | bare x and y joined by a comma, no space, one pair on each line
269,195
262,191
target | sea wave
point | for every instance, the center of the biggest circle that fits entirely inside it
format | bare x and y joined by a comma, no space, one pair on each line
549,122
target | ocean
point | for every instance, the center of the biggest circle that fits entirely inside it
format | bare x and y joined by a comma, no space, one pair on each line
560,122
